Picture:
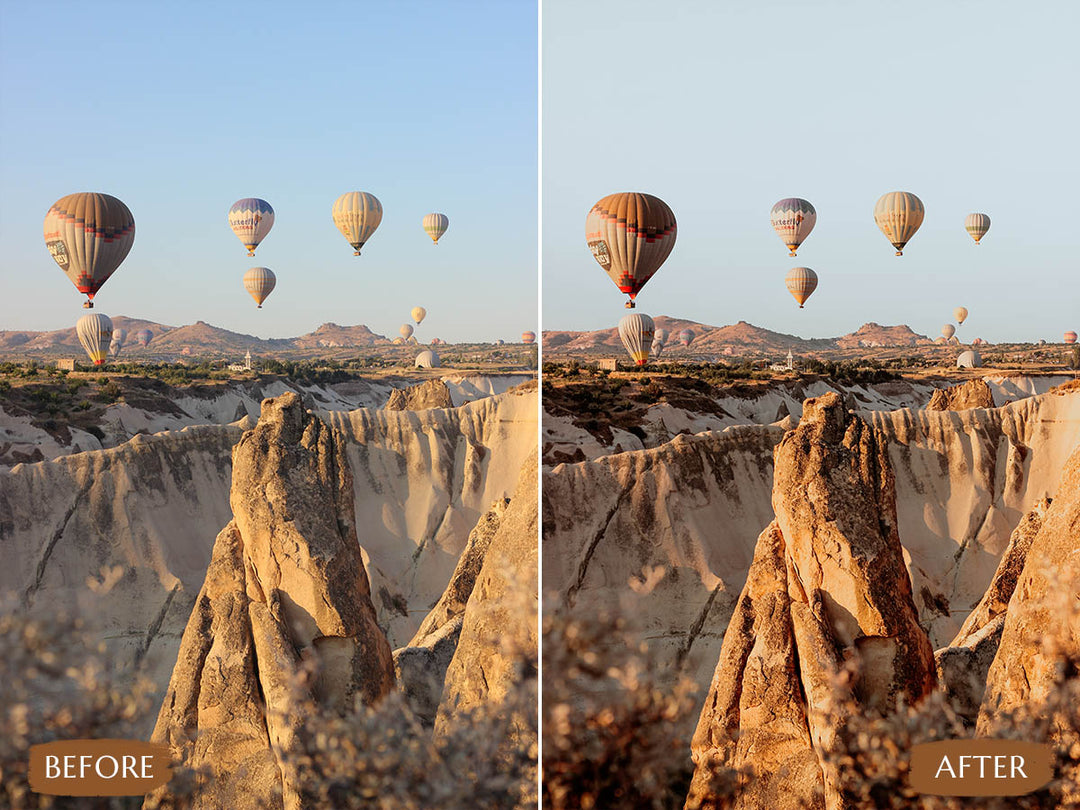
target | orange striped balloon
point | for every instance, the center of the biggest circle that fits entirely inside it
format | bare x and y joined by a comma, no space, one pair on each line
259,282
801,283
630,236
899,215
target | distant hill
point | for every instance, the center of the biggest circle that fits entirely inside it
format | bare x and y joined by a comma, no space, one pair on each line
734,339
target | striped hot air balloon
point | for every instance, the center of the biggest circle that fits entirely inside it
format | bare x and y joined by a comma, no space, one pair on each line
259,282
406,330
143,337
960,314
118,337
435,226
656,349
1070,337
418,314
977,225
662,335
947,331
357,214
95,333
637,332
686,337
793,218
251,220
630,236
528,338
801,283
89,235
899,215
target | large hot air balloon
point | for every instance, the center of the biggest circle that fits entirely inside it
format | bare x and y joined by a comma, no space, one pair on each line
960,314
251,220
630,235
95,333
977,225
1070,337
947,331
427,359
637,331
435,225
357,214
899,214
89,235
801,282
657,348
406,330
793,219
259,282
528,338
685,337
143,337
418,314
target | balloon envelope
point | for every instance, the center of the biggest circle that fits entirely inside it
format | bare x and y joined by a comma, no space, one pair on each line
143,337
960,314
119,335
435,225
1070,337
259,282
406,330
977,225
969,359
948,330
251,220
793,218
427,359
418,314
685,337
656,349
528,337
630,236
95,333
637,332
801,283
899,214
89,235
357,214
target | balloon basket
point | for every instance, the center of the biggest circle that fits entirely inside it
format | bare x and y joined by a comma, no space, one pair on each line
88,305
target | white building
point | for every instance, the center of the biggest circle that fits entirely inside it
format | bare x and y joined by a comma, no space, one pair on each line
245,366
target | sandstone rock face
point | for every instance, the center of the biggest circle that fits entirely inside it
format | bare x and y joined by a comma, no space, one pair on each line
499,626
430,394
286,581
971,394
1042,608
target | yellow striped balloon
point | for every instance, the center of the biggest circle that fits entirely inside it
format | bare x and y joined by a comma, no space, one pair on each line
977,225
259,282
357,214
95,333
89,235
801,282
899,215
630,236
418,314
960,313
1069,337
793,218
637,332
435,225
528,338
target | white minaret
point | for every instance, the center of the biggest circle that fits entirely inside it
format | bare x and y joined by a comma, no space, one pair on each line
247,360
790,361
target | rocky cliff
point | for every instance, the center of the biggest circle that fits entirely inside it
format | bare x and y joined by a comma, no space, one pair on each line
972,394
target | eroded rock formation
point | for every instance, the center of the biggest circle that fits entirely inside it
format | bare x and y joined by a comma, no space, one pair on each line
971,394
429,394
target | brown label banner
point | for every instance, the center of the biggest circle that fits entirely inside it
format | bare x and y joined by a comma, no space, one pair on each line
98,767
980,767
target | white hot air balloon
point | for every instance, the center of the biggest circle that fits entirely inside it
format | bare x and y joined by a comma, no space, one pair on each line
637,332
95,333
418,314
427,359
406,330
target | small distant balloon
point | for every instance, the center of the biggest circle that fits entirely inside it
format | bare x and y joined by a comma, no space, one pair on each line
143,337
418,314
119,335
662,335
969,359
686,337
899,214
259,282
435,225
357,214
251,220
1070,337
630,235
801,283
95,333
977,225
637,332
960,314
528,338
406,330
89,235
656,349
948,330
793,218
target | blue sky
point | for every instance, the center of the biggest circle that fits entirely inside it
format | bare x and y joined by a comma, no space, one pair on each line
723,108
180,109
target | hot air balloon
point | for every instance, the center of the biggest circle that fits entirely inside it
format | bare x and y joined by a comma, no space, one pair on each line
899,214
119,335
630,235
969,359
418,314
251,220
89,235
637,331
357,214
793,218
406,330
801,283
435,225
1070,337
977,225
95,334
978,342
656,349
398,341
661,335
259,282
685,337
528,338
960,314
948,330
427,359
143,337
